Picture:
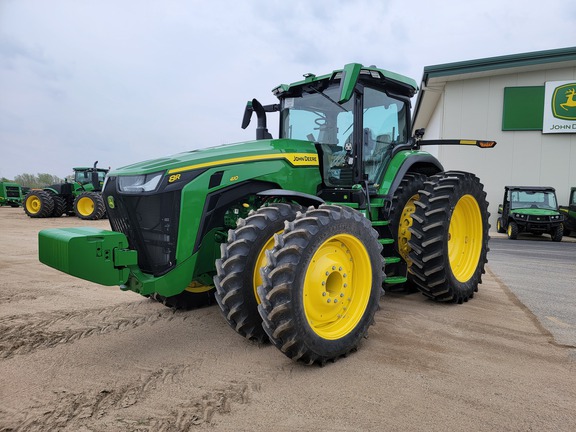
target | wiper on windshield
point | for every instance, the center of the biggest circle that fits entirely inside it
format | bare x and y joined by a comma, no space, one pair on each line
329,98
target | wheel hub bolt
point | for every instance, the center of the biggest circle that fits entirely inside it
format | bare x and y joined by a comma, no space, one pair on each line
324,294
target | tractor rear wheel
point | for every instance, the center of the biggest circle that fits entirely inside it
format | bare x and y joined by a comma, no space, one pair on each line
401,210
322,284
89,206
38,204
512,230
238,269
450,237
193,297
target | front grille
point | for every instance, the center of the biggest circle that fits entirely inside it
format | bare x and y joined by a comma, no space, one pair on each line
537,218
150,222
12,192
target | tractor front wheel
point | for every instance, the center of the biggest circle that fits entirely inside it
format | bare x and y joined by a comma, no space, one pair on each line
322,284
450,237
89,206
238,269
194,296
512,230
38,204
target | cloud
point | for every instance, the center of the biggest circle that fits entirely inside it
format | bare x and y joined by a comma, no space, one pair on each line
124,81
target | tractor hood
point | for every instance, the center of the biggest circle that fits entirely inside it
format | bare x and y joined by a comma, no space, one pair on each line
295,151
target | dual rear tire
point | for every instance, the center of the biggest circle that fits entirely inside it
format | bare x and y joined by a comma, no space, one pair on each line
449,240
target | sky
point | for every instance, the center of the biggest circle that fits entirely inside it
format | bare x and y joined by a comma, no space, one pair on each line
122,81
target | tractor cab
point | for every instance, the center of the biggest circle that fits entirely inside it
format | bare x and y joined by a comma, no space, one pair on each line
90,176
357,118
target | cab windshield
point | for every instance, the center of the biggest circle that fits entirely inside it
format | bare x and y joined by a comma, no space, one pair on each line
317,117
84,177
533,199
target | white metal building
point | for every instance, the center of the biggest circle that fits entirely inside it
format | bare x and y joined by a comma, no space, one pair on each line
525,102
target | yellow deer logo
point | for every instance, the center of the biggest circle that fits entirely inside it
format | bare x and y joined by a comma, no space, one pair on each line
570,102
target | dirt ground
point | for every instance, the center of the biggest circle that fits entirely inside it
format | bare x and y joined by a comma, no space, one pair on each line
75,356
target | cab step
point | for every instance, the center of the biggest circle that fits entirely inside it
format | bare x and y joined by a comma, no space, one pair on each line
392,280
380,223
392,260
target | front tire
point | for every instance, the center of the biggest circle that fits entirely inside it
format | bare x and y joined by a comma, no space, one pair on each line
193,297
450,237
238,269
512,230
38,204
59,206
322,284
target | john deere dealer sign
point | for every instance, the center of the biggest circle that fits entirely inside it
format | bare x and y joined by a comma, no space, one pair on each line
560,107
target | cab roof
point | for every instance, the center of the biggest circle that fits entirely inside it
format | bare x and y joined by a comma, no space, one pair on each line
349,75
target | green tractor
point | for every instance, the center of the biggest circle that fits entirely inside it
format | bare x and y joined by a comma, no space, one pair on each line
569,212
82,197
531,209
295,237
10,194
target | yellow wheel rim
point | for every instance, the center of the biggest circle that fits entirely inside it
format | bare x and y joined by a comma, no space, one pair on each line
261,261
33,204
85,206
510,230
197,288
337,286
465,238
403,234
498,226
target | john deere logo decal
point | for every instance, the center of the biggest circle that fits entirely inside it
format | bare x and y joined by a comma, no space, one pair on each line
564,102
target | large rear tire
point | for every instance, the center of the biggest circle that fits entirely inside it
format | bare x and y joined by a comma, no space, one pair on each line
322,284
89,206
401,210
238,269
450,237
38,204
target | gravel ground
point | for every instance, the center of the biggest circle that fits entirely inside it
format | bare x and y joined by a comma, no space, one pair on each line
75,356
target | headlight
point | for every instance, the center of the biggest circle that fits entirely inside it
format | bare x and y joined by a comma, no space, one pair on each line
519,215
139,183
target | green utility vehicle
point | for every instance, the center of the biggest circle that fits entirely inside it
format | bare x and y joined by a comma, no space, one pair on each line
10,194
82,197
569,213
531,209
295,236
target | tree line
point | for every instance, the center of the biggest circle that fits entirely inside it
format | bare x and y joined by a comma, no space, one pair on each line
39,180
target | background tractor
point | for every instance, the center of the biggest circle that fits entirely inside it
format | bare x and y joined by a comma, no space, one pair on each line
531,209
81,197
11,194
569,213
295,237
